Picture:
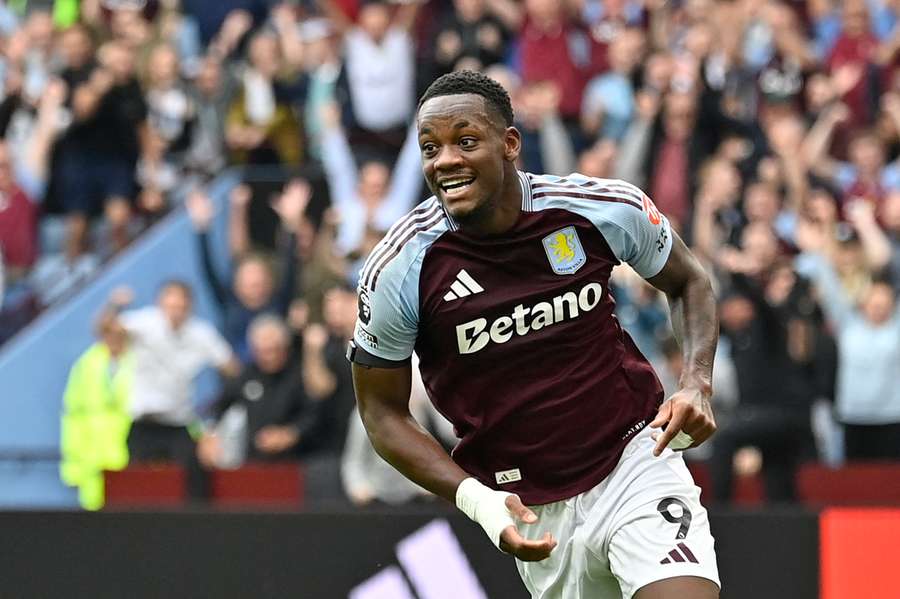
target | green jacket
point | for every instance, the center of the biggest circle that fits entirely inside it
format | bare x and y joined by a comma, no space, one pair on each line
95,422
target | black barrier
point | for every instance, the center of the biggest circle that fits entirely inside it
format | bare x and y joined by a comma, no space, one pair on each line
433,554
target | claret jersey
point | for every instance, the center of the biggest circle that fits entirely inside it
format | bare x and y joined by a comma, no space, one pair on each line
516,337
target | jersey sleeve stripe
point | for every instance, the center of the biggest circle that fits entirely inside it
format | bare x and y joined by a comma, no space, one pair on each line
607,196
396,232
397,247
615,187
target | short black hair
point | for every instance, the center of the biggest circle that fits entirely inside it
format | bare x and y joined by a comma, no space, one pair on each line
472,82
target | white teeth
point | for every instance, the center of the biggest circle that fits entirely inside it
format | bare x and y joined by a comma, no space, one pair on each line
455,182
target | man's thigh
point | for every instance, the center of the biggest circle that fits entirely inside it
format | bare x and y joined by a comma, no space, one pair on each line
679,588
661,540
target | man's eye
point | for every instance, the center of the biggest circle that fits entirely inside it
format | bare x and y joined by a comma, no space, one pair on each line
429,149
467,142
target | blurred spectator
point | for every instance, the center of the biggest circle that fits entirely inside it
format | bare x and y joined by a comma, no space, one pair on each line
660,153
852,60
883,255
95,418
261,127
368,196
170,122
171,347
378,55
323,67
769,320
283,405
556,48
98,152
867,329
717,218
211,95
252,290
18,222
868,174
608,105
471,31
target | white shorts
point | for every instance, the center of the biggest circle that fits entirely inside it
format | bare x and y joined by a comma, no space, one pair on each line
642,524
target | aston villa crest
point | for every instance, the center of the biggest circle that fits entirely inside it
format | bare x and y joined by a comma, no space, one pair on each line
564,251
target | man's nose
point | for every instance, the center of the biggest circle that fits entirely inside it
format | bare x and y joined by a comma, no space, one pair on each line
448,158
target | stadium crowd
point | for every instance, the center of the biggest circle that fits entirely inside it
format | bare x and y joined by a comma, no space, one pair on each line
767,131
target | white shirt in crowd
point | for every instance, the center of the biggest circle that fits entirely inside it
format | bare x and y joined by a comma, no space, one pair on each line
166,363
381,78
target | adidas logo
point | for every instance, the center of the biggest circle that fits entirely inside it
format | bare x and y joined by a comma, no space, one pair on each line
685,555
463,285
432,560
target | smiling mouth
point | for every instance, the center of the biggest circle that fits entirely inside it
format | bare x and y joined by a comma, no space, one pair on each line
455,186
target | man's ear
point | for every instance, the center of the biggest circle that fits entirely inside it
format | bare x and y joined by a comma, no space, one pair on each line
512,140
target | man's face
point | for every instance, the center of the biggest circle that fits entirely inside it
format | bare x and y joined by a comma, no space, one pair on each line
759,242
375,20
761,204
175,305
465,150
116,339
373,182
878,304
469,10
867,154
264,54
253,284
163,67
76,47
270,349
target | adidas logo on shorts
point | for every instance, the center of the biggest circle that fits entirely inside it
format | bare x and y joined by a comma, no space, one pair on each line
684,555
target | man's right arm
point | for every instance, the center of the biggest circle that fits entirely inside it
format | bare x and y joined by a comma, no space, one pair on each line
383,398
382,395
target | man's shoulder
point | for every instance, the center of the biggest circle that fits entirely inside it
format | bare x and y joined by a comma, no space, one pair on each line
201,330
404,243
147,314
608,199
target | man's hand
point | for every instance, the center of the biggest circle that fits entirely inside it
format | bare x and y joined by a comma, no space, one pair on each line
275,439
200,209
209,450
291,204
687,411
514,543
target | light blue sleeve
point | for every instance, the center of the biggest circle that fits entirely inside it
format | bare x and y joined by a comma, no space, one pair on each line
387,324
637,233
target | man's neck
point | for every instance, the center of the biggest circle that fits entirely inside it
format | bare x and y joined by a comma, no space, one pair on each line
500,215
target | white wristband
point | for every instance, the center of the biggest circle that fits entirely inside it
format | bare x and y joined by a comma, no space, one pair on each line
485,506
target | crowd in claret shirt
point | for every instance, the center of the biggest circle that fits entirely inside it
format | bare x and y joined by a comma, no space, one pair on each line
767,131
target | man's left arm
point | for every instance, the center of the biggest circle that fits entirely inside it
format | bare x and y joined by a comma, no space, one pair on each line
641,236
692,305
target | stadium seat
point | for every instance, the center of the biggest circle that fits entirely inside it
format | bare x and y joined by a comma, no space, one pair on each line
854,484
145,485
259,485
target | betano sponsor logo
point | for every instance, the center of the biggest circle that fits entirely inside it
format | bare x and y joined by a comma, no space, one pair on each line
475,335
